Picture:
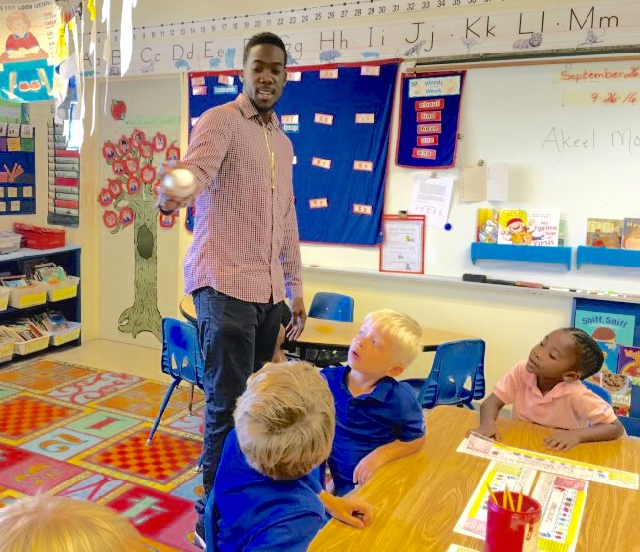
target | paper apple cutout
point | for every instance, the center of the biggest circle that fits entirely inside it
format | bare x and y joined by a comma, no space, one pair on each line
118,109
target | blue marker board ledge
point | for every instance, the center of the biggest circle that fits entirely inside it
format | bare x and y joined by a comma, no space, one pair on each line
524,253
608,257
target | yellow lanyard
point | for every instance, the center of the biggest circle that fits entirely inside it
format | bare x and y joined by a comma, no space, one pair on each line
272,156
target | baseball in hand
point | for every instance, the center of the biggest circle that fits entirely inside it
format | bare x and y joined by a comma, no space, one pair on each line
179,183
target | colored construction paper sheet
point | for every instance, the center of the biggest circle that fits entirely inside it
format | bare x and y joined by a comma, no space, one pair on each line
477,445
473,521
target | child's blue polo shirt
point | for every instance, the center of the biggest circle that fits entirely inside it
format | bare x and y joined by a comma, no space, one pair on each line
257,513
389,413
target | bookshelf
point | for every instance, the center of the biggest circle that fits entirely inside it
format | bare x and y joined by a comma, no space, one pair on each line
608,257
69,258
521,253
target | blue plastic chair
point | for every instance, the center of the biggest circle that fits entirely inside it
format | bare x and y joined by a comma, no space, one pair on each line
631,423
332,306
181,359
454,364
598,390
329,306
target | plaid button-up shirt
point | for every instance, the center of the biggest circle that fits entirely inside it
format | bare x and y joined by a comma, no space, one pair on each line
245,238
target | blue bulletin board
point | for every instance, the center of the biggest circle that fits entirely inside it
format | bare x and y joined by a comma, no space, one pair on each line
17,169
429,116
338,118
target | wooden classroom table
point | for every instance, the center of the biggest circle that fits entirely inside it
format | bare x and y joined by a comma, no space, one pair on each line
338,335
419,499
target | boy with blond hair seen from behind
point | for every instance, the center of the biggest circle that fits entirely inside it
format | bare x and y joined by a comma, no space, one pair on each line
378,419
60,524
268,493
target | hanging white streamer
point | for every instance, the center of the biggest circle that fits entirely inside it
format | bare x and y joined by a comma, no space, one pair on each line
80,23
106,52
126,35
94,54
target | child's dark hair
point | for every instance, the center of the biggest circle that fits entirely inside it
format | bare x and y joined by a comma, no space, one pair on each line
264,38
588,352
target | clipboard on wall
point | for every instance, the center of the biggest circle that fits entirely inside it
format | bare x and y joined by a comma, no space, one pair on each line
402,247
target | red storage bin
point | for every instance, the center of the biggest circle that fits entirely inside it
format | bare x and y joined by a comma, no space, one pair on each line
37,237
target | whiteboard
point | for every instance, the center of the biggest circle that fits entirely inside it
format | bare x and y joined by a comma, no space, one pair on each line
582,158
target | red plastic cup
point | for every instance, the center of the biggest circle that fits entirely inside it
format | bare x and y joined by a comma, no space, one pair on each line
509,531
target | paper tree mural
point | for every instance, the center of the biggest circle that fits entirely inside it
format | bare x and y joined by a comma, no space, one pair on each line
129,200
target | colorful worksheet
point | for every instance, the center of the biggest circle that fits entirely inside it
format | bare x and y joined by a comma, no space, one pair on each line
562,500
473,521
478,445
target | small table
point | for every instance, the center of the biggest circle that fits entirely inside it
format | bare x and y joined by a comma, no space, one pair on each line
419,499
338,335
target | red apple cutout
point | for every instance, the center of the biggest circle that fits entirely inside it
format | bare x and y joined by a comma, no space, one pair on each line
118,109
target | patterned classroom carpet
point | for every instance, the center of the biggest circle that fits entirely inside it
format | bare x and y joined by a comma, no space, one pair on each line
74,431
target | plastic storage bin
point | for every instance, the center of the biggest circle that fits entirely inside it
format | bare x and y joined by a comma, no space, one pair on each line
38,237
5,292
9,242
31,346
28,296
65,336
6,351
66,289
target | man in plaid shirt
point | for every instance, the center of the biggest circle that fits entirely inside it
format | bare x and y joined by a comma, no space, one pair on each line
245,249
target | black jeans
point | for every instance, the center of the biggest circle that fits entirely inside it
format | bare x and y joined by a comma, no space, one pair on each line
236,337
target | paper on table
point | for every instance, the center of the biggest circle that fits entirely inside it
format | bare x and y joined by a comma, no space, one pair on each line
431,197
478,445
459,548
473,521
562,500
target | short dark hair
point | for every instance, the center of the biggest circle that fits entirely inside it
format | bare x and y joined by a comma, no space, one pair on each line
264,38
589,356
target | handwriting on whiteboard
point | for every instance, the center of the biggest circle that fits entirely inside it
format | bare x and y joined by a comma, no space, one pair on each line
602,98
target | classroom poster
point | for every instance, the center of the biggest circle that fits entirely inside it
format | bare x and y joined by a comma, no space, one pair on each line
428,122
27,40
136,137
402,248
17,169
354,31
607,326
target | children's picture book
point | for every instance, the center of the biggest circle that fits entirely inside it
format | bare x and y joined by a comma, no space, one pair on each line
610,352
513,227
562,232
14,281
544,226
619,386
607,326
631,233
51,274
603,232
487,228
629,361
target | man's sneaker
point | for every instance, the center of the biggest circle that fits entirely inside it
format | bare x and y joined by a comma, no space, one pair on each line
198,536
